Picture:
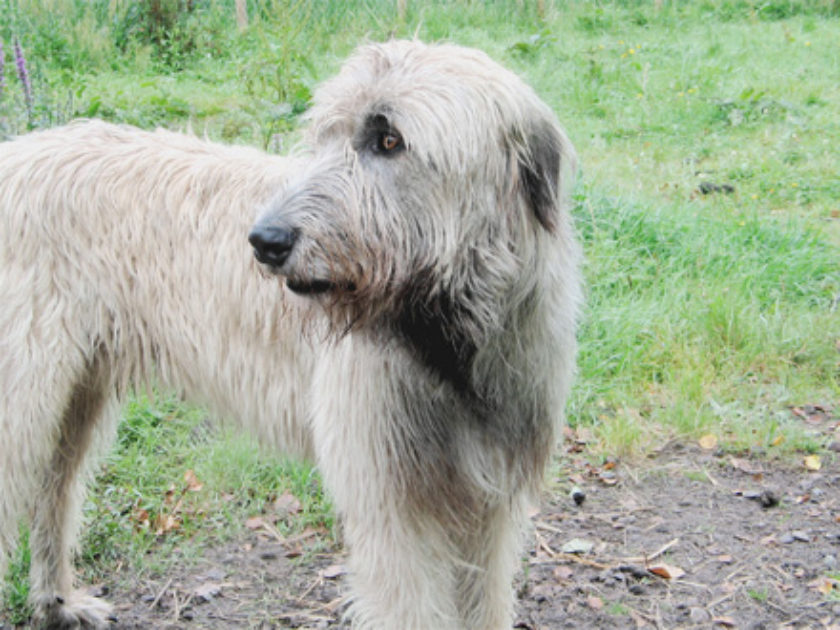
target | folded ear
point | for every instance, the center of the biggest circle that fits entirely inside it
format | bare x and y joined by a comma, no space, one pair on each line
546,161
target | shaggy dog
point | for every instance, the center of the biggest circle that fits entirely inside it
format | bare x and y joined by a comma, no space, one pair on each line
410,329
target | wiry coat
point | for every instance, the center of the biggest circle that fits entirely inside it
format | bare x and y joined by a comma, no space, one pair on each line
440,279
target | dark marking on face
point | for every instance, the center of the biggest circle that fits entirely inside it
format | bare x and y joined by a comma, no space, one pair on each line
379,137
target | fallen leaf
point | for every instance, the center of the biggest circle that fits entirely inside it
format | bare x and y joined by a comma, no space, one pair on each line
729,622
667,571
193,484
595,602
708,441
825,586
166,523
333,571
724,559
577,545
255,522
287,504
812,462
141,517
607,480
779,439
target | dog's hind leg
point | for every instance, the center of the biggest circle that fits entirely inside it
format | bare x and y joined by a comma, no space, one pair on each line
87,419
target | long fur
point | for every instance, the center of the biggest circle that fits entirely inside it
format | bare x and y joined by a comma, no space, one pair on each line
430,392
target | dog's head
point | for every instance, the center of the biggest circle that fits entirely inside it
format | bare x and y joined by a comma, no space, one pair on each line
431,178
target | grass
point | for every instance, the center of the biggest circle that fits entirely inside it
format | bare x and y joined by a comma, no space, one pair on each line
705,314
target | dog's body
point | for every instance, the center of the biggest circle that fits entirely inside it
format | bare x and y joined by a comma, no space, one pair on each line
425,232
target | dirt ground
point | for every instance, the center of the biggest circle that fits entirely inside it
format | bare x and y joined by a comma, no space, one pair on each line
689,539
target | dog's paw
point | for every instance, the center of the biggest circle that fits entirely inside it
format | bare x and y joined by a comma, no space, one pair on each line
80,611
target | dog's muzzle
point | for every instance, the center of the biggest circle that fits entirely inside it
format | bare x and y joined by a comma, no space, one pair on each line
272,244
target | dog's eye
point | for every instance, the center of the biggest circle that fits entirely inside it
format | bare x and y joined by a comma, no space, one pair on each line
389,142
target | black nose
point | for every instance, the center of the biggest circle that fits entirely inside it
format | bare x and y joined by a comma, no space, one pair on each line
272,244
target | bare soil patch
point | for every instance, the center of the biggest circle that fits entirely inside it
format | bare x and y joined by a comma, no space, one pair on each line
692,539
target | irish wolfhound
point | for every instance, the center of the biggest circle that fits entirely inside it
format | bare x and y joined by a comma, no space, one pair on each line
419,237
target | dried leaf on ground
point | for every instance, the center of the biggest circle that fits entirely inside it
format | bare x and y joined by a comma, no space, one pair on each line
577,545
667,571
287,504
812,462
255,522
708,441
826,586
333,571
142,518
166,523
193,484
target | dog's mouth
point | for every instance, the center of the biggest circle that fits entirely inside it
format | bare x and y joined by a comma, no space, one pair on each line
316,287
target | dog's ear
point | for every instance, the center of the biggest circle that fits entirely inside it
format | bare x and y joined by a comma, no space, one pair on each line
546,159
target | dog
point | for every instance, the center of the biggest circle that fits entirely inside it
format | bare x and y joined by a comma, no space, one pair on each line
404,317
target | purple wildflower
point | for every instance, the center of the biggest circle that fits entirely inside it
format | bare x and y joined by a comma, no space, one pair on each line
23,75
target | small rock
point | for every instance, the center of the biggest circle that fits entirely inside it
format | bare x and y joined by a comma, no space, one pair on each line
637,589
578,495
786,539
699,615
830,561
817,493
834,446
207,591
768,499
801,536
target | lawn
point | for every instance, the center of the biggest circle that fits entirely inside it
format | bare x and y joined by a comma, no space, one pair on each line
707,202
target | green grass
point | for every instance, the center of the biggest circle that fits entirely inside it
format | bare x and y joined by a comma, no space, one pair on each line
705,314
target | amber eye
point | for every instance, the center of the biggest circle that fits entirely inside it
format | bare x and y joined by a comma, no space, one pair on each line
389,142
